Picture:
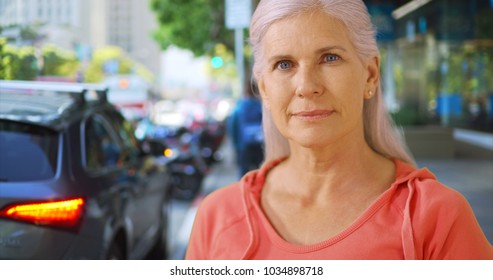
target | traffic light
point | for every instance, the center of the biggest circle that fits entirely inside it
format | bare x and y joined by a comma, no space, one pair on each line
217,62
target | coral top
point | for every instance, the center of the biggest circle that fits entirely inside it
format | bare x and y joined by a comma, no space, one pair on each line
416,218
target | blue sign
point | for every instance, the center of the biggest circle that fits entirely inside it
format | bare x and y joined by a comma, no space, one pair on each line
449,105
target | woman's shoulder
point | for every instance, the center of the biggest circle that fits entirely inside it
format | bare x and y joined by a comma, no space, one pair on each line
420,187
426,201
437,219
219,223
227,199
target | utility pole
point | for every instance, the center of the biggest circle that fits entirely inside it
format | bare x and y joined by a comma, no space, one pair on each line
240,60
238,15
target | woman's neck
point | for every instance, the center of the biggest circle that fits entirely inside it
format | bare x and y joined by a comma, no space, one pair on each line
337,169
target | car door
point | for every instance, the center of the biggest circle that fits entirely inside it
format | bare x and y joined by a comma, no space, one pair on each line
149,177
103,159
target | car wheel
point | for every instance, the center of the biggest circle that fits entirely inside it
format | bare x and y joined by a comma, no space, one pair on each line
160,249
115,252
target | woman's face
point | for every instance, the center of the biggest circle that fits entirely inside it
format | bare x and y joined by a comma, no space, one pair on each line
312,80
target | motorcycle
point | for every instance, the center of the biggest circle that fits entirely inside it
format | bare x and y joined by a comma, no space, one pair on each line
210,140
188,168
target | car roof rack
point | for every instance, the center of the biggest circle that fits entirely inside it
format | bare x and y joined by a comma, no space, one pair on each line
81,92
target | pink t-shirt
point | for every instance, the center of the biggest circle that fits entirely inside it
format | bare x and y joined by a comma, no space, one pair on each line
416,218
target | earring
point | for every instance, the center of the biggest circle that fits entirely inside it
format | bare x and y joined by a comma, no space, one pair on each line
370,93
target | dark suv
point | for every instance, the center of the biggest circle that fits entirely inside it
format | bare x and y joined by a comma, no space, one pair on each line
74,181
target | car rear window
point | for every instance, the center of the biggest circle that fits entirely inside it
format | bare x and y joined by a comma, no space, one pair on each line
28,152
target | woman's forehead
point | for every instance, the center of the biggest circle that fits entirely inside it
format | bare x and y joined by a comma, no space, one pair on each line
309,28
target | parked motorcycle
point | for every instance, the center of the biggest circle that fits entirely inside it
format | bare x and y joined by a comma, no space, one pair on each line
193,152
210,140
188,169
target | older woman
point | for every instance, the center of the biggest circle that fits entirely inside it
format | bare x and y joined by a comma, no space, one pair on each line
337,183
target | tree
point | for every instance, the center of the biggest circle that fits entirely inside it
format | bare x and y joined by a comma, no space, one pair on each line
107,60
112,60
28,64
199,26
17,64
196,25
30,33
4,65
58,62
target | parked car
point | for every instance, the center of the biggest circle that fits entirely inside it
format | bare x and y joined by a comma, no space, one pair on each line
75,183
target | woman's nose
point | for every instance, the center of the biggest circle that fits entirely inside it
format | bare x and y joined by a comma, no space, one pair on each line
308,82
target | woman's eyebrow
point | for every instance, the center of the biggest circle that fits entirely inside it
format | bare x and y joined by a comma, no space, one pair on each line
276,58
331,48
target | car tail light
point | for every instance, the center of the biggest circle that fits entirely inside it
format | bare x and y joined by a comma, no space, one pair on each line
63,213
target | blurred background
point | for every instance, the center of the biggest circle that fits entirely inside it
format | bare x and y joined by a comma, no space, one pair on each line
176,69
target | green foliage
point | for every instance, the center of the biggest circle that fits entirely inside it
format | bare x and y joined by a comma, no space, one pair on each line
228,69
29,33
28,65
196,25
3,61
9,64
454,80
470,69
24,63
101,57
58,62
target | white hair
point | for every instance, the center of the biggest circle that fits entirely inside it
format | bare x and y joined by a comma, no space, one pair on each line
380,132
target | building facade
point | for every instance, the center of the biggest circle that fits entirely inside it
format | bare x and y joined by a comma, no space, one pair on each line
83,25
437,58
62,12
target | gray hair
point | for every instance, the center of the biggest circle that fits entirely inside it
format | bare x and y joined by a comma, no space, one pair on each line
380,132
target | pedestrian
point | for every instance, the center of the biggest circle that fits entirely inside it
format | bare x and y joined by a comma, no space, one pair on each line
337,181
245,130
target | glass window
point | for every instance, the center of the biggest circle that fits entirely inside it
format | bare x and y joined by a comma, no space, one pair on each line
126,133
29,153
101,149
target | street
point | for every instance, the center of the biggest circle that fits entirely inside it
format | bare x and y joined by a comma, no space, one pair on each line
472,178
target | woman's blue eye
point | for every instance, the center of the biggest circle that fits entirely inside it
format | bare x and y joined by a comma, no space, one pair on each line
284,65
331,58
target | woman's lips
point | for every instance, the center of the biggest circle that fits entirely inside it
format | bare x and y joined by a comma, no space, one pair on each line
313,115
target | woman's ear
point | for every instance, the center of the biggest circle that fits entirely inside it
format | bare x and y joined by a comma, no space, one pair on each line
373,78
265,98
